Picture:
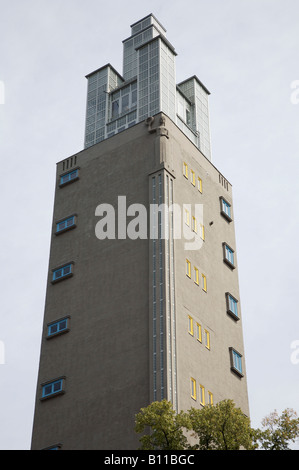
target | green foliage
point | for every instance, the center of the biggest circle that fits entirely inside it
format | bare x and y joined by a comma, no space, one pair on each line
278,431
218,427
221,427
165,426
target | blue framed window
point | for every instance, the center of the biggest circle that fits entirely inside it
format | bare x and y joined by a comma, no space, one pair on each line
226,209
63,272
52,388
65,224
228,255
60,326
236,361
69,177
232,305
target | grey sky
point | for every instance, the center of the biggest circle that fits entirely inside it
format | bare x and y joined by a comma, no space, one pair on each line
246,53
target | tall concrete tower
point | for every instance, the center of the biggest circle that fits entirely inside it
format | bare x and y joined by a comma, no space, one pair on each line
142,297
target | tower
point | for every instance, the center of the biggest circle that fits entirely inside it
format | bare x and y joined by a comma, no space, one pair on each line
142,297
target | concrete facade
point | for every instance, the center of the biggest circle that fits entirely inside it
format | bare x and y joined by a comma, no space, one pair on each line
129,302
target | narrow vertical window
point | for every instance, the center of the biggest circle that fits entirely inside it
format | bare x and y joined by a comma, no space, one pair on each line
190,325
210,398
188,268
202,232
196,276
193,388
198,332
207,339
194,224
199,184
192,177
204,282
185,170
187,217
202,395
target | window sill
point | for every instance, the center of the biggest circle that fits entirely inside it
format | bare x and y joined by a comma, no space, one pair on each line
55,281
59,333
232,315
61,392
229,264
66,229
227,217
237,372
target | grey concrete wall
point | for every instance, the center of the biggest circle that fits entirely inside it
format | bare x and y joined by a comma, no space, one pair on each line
107,357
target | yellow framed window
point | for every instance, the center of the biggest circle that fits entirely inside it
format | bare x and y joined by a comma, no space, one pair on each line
202,232
190,325
193,177
210,398
188,268
187,217
207,339
202,395
194,224
193,388
185,170
196,276
204,282
199,184
198,332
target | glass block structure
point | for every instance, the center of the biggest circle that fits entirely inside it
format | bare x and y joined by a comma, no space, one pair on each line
146,87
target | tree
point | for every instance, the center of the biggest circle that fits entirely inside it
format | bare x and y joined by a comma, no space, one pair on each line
164,427
279,431
218,427
221,427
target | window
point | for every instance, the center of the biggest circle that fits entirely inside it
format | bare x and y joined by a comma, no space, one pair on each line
207,339
232,306
52,388
199,184
187,217
188,268
62,273
65,224
228,255
204,282
236,362
202,232
196,276
193,388
194,224
210,398
69,177
202,395
58,327
185,170
198,332
193,177
190,325
225,209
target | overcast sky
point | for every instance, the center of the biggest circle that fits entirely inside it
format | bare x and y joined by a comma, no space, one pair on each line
246,53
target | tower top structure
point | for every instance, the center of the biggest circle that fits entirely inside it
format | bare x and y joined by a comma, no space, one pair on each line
146,87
